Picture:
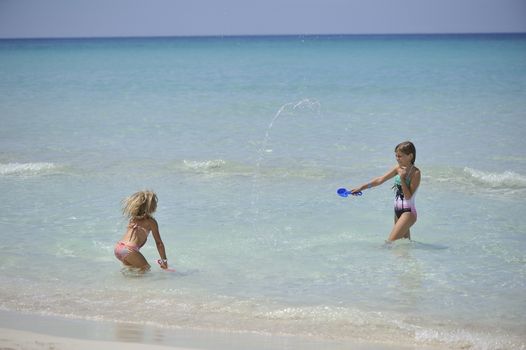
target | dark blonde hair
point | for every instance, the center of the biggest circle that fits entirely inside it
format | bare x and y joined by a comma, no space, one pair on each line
140,205
408,148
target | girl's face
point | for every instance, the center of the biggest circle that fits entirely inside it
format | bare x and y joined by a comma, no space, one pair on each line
403,159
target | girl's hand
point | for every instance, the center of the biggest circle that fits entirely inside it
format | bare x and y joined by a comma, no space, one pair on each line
354,190
402,171
163,263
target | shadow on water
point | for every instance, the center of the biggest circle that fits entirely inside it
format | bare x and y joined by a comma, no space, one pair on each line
129,272
427,246
414,245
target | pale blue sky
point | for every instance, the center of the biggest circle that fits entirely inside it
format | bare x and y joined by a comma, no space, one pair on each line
99,18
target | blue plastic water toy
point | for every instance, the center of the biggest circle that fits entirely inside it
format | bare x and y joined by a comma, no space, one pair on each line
344,193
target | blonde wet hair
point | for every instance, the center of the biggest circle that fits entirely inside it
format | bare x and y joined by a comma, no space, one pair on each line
140,205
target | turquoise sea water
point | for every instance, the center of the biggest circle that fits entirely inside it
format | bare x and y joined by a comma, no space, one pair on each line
245,140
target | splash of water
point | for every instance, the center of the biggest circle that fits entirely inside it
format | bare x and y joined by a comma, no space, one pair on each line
290,107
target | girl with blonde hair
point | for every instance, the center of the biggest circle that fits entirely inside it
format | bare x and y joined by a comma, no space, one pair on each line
139,208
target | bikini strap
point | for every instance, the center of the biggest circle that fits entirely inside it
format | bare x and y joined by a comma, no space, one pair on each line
136,226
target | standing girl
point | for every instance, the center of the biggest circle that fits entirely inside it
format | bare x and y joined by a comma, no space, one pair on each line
407,179
139,208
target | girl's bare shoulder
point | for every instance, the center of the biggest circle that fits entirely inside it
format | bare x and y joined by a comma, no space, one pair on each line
152,222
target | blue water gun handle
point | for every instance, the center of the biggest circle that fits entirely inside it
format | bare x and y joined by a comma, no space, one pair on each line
342,192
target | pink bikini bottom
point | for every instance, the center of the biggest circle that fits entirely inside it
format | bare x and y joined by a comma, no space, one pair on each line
122,250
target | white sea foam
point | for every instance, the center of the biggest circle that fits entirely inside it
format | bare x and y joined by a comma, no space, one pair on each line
27,168
464,339
470,179
204,165
506,179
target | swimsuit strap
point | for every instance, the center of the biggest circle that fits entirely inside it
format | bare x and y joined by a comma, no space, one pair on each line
135,226
409,174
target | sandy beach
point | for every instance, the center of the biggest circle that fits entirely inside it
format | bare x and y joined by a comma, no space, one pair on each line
13,339
22,331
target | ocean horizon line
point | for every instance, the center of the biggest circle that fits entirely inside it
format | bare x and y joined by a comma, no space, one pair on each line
277,36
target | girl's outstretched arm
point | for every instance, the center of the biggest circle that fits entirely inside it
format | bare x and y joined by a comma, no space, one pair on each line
159,243
377,181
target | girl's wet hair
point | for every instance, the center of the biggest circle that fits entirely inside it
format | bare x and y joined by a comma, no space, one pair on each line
140,204
408,148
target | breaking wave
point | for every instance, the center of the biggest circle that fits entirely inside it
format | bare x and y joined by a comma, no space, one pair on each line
27,169
470,179
204,165
507,179
220,167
